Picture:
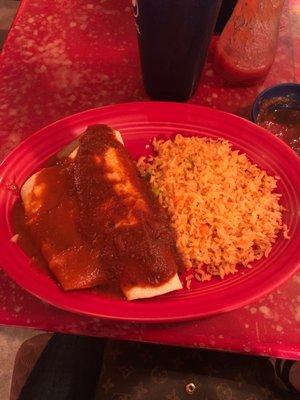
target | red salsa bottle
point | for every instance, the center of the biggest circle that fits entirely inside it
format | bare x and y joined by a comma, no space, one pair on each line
248,43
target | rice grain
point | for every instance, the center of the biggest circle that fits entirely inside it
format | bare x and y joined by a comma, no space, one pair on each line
224,208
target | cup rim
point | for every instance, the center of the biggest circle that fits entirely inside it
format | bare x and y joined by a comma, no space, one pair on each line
262,95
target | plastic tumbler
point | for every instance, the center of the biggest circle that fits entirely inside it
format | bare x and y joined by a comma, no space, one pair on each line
173,37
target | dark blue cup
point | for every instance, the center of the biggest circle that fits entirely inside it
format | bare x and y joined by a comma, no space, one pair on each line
173,37
291,91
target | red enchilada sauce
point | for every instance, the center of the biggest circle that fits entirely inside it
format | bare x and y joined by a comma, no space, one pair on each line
24,238
280,117
98,222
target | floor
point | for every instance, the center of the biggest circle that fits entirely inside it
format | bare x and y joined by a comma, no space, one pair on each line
8,10
10,341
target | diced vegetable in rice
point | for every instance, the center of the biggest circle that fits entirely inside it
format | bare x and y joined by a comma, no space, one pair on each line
225,209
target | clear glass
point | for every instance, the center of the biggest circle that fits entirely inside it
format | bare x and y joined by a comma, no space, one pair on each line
248,43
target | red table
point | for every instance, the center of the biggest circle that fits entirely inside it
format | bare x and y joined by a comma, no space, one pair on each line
62,57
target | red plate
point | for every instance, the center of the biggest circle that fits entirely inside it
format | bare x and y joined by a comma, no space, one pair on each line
139,123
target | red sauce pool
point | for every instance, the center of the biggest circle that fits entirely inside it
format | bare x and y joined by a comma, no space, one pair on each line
235,74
